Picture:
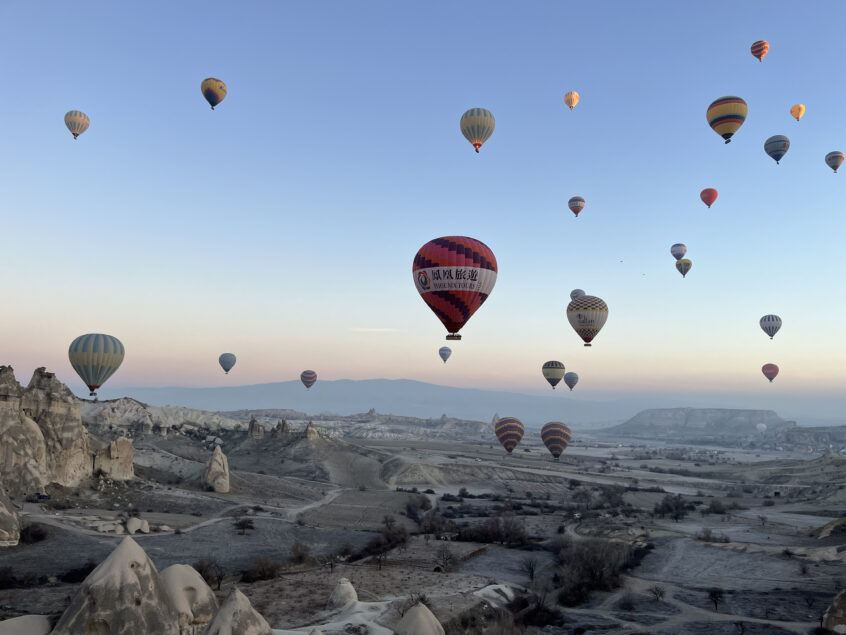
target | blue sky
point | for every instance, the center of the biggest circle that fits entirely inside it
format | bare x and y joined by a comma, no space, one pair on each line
281,227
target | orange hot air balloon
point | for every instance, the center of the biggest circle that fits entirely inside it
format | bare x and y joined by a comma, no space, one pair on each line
798,111
708,196
759,49
509,431
571,99
770,371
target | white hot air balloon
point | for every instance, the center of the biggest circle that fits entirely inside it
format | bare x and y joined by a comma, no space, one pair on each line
576,293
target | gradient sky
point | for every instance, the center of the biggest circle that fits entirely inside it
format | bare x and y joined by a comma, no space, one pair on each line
281,227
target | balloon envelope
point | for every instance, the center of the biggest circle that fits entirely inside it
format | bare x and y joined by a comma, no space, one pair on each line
553,372
576,293
571,379
759,49
213,90
770,371
761,427
576,205
454,275
556,436
77,122
684,265
708,196
477,126
678,250
798,111
444,352
95,357
571,99
770,324
777,146
509,431
227,361
726,114
834,160
587,315
308,377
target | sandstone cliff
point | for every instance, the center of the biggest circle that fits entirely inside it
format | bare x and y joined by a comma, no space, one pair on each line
10,527
115,460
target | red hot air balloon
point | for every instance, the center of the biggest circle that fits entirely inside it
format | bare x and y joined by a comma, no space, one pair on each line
454,275
509,431
759,49
770,371
708,196
556,436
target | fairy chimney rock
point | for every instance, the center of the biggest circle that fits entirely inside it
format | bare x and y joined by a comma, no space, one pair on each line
216,474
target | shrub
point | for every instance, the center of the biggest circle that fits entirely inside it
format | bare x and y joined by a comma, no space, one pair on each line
300,552
210,570
32,534
263,568
78,574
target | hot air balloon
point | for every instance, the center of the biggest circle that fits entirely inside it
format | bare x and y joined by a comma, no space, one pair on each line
454,275
770,324
509,431
683,265
761,427
587,315
77,122
571,99
227,361
576,293
576,205
777,146
571,379
834,160
759,49
95,357
798,111
553,372
708,196
726,114
444,352
308,377
477,126
213,90
770,371
556,436
678,250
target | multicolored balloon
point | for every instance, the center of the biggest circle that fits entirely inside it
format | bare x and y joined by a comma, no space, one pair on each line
226,361
777,146
509,431
834,160
576,293
95,357
553,372
770,324
77,122
477,126
213,90
308,377
571,379
571,99
444,352
770,371
798,111
576,205
454,275
726,114
678,250
587,315
708,196
684,266
759,49
556,436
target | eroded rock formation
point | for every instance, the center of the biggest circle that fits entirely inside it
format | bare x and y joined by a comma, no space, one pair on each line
216,474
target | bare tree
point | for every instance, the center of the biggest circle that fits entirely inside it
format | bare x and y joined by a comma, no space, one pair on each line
716,596
657,592
210,569
763,520
529,567
389,522
243,524
444,557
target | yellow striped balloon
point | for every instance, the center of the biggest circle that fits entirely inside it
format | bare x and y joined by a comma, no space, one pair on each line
213,90
509,431
477,126
726,114
571,99
77,122
95,357
556,436
798,111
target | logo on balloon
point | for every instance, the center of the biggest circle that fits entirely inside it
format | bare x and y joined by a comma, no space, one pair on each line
423,280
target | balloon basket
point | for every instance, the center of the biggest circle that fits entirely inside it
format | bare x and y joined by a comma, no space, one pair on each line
453,337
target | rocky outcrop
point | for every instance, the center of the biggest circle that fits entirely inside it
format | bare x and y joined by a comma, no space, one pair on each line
195,601
115,460
342,595
10,526
256,430
237,616
419,620
835,616
279,430
216,474
137,525
122,596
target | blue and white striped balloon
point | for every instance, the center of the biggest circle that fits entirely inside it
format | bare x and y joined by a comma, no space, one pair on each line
95,357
